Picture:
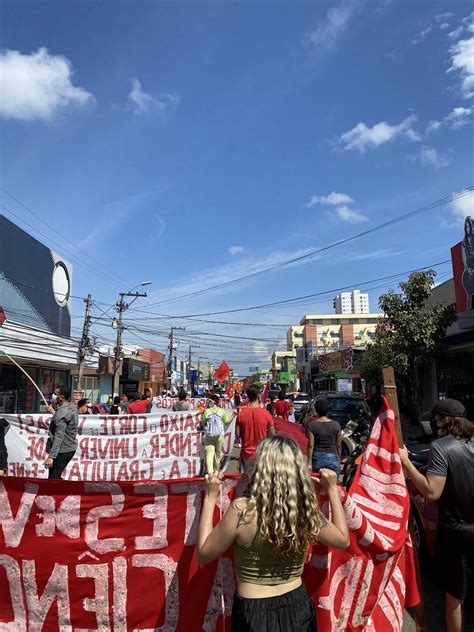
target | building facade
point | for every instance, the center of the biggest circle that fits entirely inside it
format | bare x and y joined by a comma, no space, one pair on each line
355,302
326,334
294,337
284,370
35,290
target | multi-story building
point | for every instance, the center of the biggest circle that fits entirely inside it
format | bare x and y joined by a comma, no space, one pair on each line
294,337
324,334
355,302
331,331
284,369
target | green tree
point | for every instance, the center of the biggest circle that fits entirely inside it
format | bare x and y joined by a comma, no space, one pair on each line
409,338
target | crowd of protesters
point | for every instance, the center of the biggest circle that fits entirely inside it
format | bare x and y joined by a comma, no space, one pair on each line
271,526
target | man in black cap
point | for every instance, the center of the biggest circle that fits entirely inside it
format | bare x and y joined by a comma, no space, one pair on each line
450,478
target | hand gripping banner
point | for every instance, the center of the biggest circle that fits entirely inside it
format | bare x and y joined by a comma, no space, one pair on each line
119,555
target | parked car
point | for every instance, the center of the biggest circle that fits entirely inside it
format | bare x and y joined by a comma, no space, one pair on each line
299,401
100,409
343,406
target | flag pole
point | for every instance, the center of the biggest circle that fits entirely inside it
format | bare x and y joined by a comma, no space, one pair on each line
390,388
3,353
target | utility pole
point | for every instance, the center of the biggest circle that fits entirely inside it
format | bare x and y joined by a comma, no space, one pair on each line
189,363
85,345
120,307
170,354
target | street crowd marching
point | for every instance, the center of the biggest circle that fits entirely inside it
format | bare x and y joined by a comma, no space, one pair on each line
280,518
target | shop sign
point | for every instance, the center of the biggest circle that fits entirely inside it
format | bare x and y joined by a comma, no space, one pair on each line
135,370
462,257
331,362
284,377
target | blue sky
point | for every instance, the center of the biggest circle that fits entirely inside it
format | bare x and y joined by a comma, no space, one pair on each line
193,143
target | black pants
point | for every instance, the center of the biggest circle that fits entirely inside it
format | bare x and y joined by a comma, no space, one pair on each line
290,612
60,463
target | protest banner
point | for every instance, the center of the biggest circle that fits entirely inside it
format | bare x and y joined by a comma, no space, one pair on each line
119,555
158,446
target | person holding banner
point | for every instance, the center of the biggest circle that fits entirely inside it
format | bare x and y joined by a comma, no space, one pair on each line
450,479
4,425
62,435
213,421
271,530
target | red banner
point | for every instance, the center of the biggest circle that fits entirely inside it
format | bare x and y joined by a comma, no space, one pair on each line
108,556
222,372
368,586
120,555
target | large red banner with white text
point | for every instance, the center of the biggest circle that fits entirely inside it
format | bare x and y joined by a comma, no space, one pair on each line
120,555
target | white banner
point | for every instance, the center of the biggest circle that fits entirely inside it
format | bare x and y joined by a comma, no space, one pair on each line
159,446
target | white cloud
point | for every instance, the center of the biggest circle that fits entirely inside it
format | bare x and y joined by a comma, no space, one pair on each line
433,126
462,61
350,215
160,228
462,207
422,35
456,33
236,250
333,199
332,27
38,86
241,266
455,120
429,157
459,117
361,137
144,103
444,26
111,217
442,17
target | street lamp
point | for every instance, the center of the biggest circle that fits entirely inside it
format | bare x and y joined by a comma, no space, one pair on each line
117,324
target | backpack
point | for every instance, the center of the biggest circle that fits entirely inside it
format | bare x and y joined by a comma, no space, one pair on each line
215,424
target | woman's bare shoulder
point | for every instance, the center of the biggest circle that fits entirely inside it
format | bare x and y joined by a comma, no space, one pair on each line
240,504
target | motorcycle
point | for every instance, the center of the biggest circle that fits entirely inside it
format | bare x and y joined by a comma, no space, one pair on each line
351,435
352,462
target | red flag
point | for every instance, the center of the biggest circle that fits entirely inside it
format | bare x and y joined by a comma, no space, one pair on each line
222,372
366,588
264,396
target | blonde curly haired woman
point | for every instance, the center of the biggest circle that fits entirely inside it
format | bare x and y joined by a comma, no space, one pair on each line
271,529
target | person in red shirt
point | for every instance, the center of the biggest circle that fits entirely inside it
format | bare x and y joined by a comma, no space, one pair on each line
138,406
253,425
282,408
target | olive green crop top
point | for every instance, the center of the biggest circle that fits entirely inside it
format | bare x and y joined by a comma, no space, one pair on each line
257,563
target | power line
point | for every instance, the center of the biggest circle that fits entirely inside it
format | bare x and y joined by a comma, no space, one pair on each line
308,296
60,249
340,242
74,245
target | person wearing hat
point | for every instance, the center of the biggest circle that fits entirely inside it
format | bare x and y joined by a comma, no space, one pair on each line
450,478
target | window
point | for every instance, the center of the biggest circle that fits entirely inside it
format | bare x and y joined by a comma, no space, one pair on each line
334,334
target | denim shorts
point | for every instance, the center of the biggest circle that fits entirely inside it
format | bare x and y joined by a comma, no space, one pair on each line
329,460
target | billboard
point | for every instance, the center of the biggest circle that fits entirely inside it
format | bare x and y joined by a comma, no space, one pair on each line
35,282
462,257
